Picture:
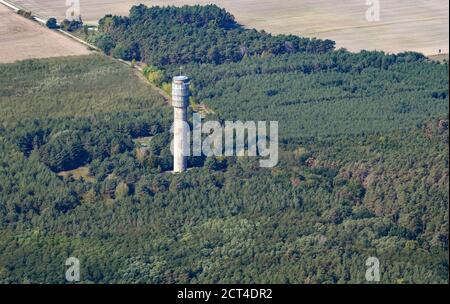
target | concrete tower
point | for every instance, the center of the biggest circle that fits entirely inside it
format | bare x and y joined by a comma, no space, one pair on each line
180,101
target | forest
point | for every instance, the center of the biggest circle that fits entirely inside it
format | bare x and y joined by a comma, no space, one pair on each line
84,154
201,34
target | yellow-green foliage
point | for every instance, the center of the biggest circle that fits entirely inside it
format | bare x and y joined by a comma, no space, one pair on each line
122,190
167,87
153,74
193,103
155,77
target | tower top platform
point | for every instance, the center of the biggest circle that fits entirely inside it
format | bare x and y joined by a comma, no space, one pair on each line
181,79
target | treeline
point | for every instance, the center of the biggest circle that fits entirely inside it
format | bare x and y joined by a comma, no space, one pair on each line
200,34
320,95
340,61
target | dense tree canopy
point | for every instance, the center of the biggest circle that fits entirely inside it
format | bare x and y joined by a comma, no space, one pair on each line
85,155
319,95
202,34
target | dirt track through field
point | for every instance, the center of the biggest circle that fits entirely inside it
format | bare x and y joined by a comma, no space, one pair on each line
21,39
404,25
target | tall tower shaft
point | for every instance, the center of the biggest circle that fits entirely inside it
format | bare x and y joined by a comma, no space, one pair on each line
180,101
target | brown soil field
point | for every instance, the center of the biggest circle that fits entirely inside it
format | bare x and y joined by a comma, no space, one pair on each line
404,25
21,39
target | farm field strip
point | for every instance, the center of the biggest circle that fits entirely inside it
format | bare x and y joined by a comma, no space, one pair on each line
25,39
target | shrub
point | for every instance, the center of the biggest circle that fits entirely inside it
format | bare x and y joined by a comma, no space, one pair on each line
52,23
26,14
71,25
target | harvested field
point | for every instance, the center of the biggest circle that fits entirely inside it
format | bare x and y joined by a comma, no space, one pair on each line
90,10
439,57
24,39
416,25
404,25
